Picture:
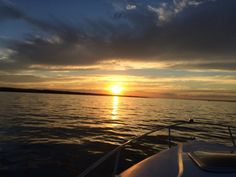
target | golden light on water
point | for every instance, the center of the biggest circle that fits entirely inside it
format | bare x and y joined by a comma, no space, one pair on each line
115,106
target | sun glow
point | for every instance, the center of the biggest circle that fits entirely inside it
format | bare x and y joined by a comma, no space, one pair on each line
116,89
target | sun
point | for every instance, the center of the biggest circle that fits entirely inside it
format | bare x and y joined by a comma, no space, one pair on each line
116,89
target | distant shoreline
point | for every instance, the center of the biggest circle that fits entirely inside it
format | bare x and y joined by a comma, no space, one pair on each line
48,91
198,99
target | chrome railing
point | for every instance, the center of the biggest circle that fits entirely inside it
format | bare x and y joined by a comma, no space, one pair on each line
136,138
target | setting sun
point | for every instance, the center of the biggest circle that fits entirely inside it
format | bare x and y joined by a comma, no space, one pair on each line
116,89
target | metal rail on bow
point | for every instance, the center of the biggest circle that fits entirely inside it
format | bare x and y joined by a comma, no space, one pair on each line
136,138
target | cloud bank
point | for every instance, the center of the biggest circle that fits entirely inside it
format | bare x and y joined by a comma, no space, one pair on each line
189,34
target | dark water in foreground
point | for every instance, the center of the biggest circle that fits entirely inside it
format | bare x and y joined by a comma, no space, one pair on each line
60,135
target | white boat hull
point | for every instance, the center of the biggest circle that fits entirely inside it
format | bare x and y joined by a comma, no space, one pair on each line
175,162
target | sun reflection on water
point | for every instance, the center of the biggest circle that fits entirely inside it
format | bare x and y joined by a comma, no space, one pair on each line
115,106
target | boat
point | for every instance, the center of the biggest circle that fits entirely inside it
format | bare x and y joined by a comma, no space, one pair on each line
195,158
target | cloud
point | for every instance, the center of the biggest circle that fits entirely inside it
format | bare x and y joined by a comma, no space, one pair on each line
229,65
9,11
165,11
201,32
5,55
131,7
21,79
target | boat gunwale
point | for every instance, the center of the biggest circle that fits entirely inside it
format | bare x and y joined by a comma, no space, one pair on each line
136,138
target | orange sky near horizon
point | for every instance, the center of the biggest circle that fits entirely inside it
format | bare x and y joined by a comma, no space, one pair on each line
196,87
172,49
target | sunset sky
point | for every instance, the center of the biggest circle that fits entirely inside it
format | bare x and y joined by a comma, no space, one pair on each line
159,48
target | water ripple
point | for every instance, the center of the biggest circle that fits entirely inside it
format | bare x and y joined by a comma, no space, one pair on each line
60,135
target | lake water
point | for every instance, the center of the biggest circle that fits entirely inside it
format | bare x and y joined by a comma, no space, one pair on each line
60,135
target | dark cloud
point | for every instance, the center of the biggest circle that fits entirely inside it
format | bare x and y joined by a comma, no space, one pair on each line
21,78
228,65
184,31
8,11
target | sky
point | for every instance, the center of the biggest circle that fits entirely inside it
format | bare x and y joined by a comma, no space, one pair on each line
157,48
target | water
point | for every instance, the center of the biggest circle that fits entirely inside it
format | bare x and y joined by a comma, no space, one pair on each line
60,135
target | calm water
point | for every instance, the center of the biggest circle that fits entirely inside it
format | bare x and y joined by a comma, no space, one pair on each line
60,135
